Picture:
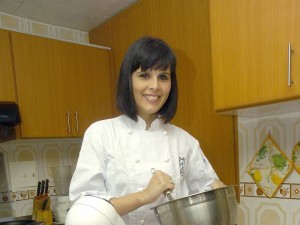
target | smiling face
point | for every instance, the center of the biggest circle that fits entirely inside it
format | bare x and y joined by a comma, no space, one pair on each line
151,89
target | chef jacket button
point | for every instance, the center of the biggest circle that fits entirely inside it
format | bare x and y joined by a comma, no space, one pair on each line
137,161
142,222
165,132
167,160
129,131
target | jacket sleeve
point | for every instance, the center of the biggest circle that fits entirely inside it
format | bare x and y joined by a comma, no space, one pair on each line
89,175
199,172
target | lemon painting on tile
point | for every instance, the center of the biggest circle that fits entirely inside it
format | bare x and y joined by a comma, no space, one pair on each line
269,167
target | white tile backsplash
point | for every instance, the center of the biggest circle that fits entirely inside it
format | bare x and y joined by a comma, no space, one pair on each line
46,153
284,207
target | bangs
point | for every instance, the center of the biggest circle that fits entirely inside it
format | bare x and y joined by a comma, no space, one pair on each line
155,62
154,56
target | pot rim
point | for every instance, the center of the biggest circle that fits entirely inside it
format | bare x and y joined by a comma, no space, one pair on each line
197,198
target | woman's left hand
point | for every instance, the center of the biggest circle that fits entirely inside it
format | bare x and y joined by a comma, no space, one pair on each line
217,184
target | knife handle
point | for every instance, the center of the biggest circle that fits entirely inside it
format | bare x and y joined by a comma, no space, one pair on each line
43,186
38,191
47,187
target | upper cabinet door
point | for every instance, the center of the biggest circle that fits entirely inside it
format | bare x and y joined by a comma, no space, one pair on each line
87,72
7,82
250,59
62,87
43,95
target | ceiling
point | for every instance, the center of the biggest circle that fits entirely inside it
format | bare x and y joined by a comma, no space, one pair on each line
82,15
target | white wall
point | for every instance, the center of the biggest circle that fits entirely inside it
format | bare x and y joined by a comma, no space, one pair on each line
284,207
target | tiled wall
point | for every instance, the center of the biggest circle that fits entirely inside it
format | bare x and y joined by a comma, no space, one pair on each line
47,153
284,207
19,24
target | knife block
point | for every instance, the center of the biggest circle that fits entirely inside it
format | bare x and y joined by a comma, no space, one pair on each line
45,216
40,205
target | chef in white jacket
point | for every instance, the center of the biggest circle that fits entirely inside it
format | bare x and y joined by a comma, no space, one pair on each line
133,159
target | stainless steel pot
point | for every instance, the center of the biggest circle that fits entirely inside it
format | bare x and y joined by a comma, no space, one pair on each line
215,207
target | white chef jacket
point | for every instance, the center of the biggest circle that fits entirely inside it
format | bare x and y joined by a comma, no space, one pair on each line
117,156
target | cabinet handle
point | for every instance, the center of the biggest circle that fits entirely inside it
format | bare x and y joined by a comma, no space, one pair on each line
290,51
76,118
68,120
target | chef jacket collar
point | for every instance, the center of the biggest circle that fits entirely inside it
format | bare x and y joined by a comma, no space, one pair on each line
140,124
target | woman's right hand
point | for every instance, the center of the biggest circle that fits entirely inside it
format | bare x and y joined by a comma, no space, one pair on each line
159,183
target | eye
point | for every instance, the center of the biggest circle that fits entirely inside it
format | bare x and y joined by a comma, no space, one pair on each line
164,76
144,75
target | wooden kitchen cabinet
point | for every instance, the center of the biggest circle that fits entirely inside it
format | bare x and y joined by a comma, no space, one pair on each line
62,87
250,52
7,81
91,97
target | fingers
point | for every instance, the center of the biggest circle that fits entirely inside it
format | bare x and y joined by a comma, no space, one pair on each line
217,184
164,180
163,177
159,183
171,181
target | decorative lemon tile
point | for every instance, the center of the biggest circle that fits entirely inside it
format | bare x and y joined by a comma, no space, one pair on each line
259,192
249,189
284,191
295,191
296,157
269,167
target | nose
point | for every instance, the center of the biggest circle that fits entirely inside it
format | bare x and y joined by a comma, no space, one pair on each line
154,83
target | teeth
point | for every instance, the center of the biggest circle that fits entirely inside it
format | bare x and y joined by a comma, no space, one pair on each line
151,98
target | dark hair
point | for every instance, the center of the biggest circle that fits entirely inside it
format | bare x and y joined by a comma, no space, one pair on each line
147,53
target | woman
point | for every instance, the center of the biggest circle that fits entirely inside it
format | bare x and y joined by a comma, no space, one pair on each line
133,159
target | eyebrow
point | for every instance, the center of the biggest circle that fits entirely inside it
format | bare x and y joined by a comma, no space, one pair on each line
168,74
148,71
